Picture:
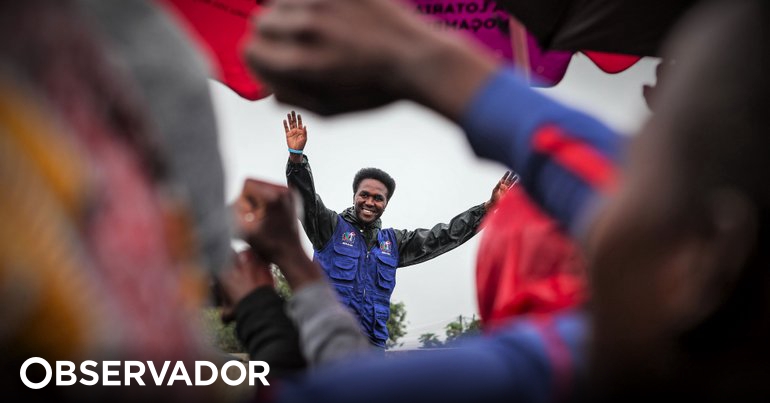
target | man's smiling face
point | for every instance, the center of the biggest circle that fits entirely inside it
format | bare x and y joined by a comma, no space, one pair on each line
370,200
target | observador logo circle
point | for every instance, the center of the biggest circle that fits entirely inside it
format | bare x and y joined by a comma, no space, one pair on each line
134,370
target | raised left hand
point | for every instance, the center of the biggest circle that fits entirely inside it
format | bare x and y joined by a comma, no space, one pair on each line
503,185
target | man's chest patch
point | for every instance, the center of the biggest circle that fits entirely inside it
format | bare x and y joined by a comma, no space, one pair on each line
348,238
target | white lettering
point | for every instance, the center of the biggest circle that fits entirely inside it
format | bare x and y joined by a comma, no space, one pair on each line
158,379
106,373
70,372
260,375
227,378
111,375
84,369
134,375
198,380
48,373
175,374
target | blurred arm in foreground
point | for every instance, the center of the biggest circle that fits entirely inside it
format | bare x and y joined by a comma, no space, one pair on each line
266,219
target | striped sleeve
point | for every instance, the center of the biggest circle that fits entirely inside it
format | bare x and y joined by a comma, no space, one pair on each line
566,159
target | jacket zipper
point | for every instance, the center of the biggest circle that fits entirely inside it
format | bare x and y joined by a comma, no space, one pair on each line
367,259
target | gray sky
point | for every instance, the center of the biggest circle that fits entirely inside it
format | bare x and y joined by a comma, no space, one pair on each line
436,173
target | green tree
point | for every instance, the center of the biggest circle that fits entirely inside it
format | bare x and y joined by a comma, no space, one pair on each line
455,330
281,285
396,324
222,335
430,340
462,327
218,334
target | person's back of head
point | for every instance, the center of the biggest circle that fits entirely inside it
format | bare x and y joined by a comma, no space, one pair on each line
719,108
685,311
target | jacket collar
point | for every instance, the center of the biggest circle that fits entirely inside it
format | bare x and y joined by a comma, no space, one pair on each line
349,215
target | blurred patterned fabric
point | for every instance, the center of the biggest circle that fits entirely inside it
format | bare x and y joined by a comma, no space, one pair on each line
97,252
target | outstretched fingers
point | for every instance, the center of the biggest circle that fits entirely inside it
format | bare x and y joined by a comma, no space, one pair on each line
504,179
502,184
509,179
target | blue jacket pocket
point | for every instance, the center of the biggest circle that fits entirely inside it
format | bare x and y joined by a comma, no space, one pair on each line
344,268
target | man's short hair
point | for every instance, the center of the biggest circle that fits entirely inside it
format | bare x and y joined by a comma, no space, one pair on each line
378,174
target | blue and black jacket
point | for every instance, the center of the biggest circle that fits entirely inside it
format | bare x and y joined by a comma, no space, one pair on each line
361,260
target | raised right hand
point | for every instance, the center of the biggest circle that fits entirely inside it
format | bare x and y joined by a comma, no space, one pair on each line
296,134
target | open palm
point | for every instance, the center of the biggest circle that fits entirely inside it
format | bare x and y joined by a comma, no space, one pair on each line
296,134
502,186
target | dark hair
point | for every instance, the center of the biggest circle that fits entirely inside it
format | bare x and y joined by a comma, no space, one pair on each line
377,174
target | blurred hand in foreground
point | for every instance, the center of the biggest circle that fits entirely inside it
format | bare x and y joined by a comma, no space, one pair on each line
334,56
266,219
248,273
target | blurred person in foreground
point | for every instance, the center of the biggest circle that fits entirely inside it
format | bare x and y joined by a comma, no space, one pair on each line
102,251
678,252
265,218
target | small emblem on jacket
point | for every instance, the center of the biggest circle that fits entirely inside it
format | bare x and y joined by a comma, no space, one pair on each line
348,238
385,247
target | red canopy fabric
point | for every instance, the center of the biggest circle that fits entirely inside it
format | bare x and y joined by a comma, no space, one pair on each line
525,264
612,63
221,27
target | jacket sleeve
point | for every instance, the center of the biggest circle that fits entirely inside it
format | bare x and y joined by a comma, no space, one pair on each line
566,159
519,363
328,331
267,333
422,244
318,221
